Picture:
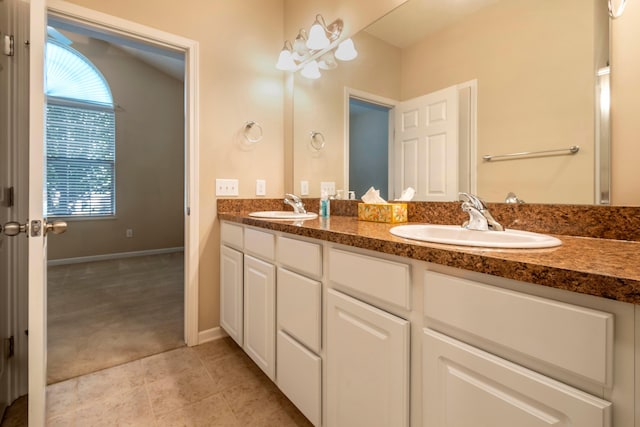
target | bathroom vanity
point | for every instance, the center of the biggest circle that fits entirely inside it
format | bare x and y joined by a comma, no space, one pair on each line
358,327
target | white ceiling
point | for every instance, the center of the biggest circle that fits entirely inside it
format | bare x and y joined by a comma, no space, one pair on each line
416,19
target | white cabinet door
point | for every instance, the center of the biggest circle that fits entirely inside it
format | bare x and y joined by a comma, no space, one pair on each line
259,313
466,387
367,365
231,305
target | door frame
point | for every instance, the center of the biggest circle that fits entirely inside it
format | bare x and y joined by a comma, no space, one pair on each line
190,48
37,299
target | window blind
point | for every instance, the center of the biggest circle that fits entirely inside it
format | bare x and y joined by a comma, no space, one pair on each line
80,150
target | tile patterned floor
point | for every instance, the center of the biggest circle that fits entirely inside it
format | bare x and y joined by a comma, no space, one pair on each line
214,384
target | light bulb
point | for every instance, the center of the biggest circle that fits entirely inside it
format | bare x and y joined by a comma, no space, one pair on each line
346,51
311,71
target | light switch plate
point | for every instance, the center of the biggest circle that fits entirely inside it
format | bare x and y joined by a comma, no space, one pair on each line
261,187
304,188
329,187
226,187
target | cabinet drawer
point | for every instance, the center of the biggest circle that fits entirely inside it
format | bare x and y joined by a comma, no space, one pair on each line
299,308
259,243
304,257
467,387
573,338
231,235
300,377
380,279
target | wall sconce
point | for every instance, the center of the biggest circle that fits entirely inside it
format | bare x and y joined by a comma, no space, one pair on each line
317,51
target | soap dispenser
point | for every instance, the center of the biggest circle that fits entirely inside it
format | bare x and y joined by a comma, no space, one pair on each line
324,205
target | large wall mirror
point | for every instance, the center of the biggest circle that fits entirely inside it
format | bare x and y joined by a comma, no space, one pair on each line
523,76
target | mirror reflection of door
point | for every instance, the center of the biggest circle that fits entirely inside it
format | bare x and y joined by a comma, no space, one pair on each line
368,147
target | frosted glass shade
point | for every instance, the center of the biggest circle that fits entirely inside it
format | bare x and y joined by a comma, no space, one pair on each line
346,51
311,70
318,39
285,61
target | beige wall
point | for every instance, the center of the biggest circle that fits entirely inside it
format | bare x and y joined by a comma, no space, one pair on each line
149,160
535,72
239,42
319,105
625,106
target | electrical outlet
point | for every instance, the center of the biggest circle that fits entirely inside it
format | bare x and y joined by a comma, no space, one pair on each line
261,187
304,188
226,187
129,233
329,187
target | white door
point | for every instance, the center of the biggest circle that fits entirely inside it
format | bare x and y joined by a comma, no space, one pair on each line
37,241
426,146
260,314
6,212
466,387
367,365
30,17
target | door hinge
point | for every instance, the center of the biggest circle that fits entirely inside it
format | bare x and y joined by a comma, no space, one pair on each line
9,347
9,196
7,45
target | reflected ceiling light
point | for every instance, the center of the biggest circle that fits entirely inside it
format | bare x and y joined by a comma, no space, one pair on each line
311,70
300,50
346,51
327,61
285,60
316,51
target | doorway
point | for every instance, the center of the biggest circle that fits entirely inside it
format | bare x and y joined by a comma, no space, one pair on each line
115,172
368,147
29,124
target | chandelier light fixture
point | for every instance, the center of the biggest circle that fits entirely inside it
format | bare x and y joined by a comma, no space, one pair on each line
316,49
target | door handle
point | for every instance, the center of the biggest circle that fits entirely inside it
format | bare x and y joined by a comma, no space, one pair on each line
55,227
13,228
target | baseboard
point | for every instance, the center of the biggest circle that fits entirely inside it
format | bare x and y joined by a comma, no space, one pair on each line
117,255
211,335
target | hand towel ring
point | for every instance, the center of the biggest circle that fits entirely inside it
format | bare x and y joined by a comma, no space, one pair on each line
316,140
248,127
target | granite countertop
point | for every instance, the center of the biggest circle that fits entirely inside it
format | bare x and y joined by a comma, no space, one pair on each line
602,267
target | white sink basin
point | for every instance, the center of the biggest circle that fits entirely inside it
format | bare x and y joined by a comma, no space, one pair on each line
456,235
283,215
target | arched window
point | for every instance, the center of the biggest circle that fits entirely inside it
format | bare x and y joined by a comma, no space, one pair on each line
80,136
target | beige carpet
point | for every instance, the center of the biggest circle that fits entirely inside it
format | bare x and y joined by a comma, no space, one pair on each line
102,314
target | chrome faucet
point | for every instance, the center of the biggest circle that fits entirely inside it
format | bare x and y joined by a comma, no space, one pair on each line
479,216
295,202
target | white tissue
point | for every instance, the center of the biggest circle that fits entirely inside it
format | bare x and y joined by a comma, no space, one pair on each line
407,195
373,196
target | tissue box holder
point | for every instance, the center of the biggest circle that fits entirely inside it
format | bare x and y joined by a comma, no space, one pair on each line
380,212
